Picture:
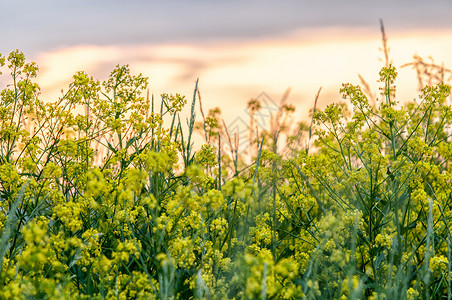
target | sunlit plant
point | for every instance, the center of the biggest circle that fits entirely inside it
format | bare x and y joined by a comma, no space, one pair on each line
103,196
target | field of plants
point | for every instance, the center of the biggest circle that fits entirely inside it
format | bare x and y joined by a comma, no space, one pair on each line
102,194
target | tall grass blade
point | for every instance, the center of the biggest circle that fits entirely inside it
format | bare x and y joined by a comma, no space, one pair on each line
191,125
312,120
10,222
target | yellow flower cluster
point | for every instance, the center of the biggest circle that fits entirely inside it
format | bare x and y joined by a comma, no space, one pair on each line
114,203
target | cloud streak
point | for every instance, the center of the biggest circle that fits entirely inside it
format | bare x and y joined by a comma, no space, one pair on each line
231,73
36,26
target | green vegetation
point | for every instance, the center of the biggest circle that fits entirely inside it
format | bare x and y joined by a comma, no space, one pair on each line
100,199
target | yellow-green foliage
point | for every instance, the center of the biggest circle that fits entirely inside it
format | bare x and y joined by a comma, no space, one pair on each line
100,199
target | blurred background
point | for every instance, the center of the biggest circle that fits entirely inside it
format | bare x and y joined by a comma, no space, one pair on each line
238,49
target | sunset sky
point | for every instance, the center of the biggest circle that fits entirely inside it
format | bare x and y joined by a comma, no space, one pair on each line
238,49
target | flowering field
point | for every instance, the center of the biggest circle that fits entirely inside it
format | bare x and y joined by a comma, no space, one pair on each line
103,196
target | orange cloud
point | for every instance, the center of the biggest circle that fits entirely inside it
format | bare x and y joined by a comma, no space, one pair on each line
231,73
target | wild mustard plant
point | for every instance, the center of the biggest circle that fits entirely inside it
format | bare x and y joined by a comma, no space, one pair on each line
385,167
100,198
